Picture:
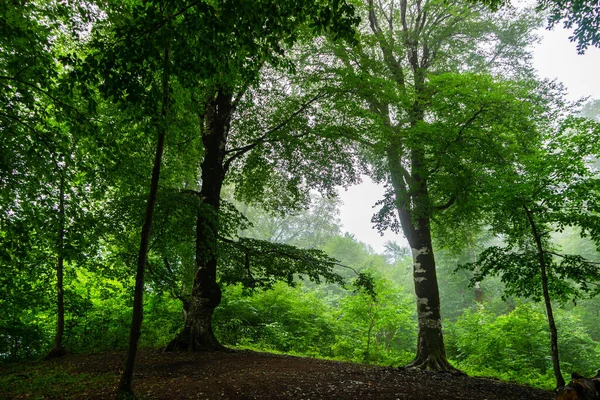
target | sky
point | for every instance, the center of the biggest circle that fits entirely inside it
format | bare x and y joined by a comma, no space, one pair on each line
555,57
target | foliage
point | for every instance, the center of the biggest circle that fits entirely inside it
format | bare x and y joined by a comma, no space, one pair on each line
514,346
379,329
580,15
79,83
282,319
258,263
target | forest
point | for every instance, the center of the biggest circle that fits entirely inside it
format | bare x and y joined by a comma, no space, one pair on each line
170,178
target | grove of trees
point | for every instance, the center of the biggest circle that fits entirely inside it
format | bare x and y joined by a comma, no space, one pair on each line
169,176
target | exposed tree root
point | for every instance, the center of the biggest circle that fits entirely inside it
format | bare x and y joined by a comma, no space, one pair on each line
57,352
433,364
204,342
125,394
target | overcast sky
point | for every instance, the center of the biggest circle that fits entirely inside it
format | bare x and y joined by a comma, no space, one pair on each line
555,58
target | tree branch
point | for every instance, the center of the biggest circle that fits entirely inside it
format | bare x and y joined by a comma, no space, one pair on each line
46,93
240,151
386,48
447,205
583,260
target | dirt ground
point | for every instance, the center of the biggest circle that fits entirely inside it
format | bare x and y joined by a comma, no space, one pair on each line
245,375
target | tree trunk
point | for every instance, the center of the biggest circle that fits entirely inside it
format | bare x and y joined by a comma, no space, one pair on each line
412,204
197,334
560,381
372,321
58,349
124,390
478,290
478,293
431,351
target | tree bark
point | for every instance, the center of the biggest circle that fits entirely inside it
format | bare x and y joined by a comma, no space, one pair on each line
412,205
58,349
431,351
560,381
197,334
125,390
479,297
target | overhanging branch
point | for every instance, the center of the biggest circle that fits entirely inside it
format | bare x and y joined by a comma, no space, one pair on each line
240,151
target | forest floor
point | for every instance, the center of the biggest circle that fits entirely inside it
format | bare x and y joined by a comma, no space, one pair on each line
243,375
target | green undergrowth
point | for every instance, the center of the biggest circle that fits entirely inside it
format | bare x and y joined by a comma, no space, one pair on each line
43,380
531,378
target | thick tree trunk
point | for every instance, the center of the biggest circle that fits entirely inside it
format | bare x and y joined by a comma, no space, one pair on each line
412,204
58,349
198,334
206,293
431,351
124,390
560,381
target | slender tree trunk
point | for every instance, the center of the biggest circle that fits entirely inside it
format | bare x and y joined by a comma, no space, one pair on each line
560,381
478,290
412,204
370,331
58,349
478,293
197,334
124,389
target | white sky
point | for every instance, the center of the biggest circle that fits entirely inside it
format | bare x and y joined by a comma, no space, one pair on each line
555,58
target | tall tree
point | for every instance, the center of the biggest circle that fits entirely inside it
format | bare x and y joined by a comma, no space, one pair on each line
550,189
125,390
131,64
436,127
40,154
273,26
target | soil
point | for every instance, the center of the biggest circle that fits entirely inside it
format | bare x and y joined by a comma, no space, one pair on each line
250,375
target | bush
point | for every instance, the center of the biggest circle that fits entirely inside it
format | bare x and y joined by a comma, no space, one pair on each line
516,346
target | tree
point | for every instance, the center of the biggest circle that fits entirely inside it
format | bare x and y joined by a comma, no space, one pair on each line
219,96
41,163
435,127
219,72
135,80
583,14
548,190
